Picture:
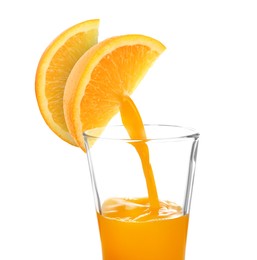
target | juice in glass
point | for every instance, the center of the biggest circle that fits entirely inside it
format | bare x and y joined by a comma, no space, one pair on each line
139,234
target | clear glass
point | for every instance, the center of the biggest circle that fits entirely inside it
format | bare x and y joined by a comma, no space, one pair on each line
116,172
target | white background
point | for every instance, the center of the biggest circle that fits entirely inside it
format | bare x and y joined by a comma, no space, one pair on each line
46,201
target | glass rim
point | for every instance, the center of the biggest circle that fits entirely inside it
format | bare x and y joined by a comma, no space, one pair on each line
191,133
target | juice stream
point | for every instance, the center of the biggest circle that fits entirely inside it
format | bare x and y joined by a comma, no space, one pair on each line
133,123
141,228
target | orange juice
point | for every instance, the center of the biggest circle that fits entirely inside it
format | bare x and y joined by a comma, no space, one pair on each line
129,230
141,228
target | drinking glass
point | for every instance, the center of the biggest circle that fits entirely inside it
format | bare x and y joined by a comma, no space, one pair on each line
130,229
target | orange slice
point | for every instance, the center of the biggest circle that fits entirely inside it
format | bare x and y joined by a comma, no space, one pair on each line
54,68
101,78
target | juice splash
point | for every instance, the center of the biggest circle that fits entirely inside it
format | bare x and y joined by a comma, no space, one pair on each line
141,228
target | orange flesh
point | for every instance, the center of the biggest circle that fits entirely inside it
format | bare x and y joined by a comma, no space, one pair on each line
111,85
142,228
59,70
108,84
